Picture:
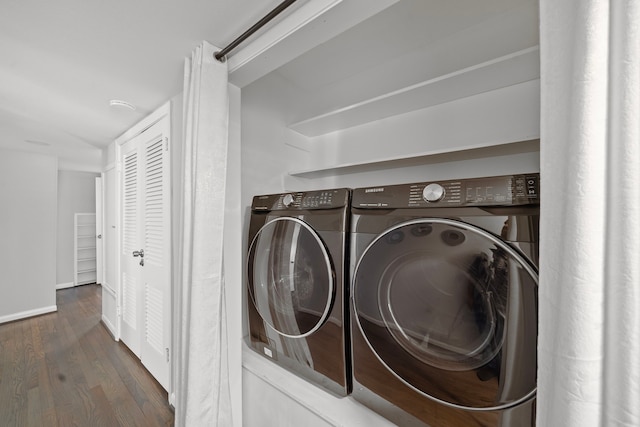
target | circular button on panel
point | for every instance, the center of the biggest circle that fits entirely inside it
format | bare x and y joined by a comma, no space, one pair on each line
287,200
433,193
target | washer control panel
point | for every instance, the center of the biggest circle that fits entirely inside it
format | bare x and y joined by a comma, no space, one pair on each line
505,190
288,199
433,193
309,200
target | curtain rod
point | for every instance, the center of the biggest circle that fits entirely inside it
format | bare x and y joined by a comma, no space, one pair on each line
220,55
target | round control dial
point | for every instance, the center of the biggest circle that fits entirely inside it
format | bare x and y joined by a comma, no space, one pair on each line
287,200
433,193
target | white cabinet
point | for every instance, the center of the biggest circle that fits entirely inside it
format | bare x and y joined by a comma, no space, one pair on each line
84,248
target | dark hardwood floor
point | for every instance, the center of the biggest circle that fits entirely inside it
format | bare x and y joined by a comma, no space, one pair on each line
65,369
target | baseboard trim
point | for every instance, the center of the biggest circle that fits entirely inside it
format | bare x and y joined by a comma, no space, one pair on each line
107,324
107,287
65,285
28,313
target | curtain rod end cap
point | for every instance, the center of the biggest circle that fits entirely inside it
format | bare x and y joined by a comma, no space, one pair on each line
222,58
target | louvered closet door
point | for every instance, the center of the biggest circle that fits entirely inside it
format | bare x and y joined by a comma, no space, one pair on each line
156,333
146,226
131,270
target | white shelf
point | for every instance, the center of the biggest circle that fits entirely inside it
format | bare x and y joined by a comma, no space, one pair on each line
85,246
508,70
458,153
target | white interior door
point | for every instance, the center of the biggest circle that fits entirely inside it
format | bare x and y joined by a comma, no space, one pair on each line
111,253
156,334
99,232
130,268
146,249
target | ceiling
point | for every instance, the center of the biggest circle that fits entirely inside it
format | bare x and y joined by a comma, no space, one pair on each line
63,61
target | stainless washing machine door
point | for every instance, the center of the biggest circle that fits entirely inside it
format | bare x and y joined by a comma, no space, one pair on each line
451,311
291,277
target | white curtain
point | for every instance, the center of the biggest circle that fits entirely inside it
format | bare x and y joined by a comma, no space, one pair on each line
202,383
589,338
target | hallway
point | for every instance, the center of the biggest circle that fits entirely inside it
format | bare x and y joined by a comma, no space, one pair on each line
65,369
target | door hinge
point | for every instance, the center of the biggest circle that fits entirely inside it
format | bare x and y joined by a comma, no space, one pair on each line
166,143
167,351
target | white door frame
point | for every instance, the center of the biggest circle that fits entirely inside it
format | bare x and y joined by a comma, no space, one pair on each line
109,241
99,230
137,129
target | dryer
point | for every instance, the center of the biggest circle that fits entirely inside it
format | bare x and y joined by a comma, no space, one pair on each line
444,301
297,300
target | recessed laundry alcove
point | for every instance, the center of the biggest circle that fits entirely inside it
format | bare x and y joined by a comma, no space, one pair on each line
384,92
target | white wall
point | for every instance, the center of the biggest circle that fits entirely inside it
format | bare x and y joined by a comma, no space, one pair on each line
176,146
109,156
269,148
473,136
466,138
109,239
233,250
28,194
76,194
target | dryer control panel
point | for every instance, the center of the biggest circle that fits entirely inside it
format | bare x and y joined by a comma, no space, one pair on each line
308,200
508,190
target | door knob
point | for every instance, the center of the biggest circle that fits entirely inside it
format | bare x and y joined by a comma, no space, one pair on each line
139,253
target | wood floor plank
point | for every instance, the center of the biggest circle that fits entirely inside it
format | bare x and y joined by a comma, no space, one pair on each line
104,414
38,346
84,408
34,407
17,392
47,403
30,359
126,409
65,369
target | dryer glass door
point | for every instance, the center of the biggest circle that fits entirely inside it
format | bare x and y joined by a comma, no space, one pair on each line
291,279
451,310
